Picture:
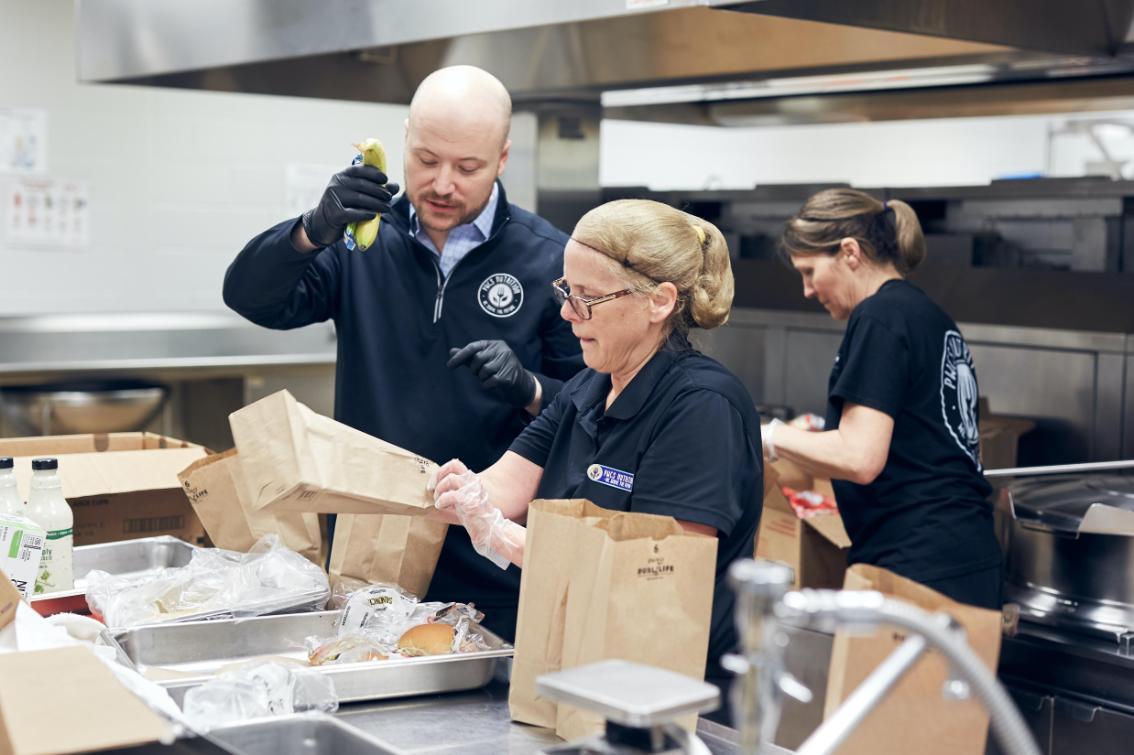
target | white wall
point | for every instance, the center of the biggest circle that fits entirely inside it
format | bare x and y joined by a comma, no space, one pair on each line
941,152
179,180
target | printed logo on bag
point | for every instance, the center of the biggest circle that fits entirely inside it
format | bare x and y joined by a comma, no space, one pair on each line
500,295
655,568
611,477
959,395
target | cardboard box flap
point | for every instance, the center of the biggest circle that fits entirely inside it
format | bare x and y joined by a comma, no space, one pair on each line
66,700
96,474
62,445
830,527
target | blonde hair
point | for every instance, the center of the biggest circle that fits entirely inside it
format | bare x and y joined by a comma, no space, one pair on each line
661,244
886,231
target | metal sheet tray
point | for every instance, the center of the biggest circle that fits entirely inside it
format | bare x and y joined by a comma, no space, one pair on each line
185,655
122,558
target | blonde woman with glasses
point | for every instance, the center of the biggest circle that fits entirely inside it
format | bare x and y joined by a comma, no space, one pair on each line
652,425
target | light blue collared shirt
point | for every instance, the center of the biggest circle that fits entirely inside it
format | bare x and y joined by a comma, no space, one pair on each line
462,239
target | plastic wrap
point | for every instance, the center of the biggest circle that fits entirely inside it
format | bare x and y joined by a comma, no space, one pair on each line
257,690
215,583
376,622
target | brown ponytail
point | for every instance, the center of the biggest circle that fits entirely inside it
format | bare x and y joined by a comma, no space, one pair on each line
887,232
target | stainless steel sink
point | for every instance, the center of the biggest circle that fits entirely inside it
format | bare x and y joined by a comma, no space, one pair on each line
301,734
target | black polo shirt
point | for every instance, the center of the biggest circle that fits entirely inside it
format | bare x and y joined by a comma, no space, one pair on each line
682,440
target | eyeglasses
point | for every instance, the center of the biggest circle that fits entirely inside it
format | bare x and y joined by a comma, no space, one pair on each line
581,305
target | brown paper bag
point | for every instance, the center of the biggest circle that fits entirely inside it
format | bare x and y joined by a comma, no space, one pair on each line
297,460
549,546
595,583
913,717
215,489
399,550
645,594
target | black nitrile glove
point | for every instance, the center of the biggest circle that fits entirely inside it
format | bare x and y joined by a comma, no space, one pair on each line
499,370
354,194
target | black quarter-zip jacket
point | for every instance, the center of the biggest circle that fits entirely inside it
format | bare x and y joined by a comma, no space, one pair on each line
396,317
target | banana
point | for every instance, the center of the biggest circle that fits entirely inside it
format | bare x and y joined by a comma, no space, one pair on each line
366,232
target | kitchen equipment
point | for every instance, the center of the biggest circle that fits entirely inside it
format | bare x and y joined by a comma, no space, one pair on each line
82,407
122,558
763,678
640,704
184,655
1070,554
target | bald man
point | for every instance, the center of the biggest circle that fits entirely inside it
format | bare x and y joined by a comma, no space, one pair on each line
448,335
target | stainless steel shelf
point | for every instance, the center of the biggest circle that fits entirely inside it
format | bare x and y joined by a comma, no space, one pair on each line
160,341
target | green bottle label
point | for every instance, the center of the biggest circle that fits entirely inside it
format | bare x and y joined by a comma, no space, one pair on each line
59,534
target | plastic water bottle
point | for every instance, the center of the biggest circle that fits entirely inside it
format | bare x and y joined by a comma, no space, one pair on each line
10,502
49,509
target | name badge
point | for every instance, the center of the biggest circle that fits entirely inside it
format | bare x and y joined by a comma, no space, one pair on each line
611,477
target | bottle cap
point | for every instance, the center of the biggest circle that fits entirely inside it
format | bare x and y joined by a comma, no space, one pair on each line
38,464
6,462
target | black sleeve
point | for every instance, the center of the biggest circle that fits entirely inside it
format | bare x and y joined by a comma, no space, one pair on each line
697,464
275,285
876,368
534,441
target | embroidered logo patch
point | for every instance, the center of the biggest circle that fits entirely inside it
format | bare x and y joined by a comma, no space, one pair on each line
611,477
500,295
959,395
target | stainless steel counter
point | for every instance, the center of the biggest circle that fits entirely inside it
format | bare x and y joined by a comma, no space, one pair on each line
477,723
469,723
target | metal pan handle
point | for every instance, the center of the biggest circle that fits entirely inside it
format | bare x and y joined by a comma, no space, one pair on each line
1094,466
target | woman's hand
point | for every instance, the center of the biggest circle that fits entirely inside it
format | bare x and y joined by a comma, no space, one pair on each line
462,494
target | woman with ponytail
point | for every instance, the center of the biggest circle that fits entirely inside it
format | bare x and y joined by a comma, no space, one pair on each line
653,425
901,443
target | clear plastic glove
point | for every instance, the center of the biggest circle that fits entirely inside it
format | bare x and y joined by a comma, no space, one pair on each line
768,440
462,492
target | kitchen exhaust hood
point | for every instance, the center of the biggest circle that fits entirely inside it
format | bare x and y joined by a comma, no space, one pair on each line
717,62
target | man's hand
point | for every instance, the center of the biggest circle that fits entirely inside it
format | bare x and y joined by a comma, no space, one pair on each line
356,193
499,370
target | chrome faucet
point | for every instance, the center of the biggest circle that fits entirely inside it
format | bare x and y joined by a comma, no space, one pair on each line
766,605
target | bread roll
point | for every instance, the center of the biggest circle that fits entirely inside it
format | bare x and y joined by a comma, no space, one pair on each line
427,639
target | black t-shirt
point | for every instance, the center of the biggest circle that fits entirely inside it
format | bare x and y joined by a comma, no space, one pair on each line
927,515
686,437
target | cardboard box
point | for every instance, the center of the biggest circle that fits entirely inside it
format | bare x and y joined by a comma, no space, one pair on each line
66,700
815,548
120,485
9,601
21,547
1000,440
296,460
